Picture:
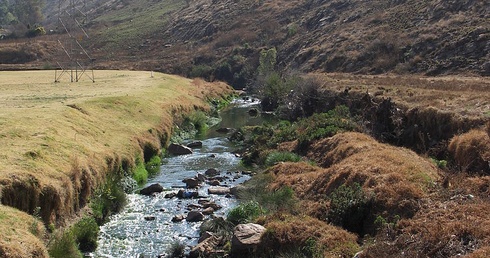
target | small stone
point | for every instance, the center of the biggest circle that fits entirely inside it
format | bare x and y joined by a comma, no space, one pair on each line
150,218
208,211
196,144
178,218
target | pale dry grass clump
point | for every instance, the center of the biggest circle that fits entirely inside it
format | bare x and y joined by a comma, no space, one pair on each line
297,175
290,233
61,140
471,151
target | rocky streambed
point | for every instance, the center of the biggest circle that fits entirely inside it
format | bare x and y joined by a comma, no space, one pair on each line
190,188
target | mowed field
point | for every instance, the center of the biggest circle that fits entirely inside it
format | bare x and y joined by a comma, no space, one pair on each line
58,140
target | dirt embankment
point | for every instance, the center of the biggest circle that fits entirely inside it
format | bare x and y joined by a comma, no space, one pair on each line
61,140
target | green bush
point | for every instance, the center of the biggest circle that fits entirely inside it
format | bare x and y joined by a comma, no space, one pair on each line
140,174
281,156
176,249
85,233
64,246
153,165
245,213
108,199
349,207
202,71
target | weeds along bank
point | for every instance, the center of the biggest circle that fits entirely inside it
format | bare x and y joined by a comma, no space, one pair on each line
62,141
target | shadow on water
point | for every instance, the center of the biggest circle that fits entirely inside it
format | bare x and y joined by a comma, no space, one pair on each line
145,228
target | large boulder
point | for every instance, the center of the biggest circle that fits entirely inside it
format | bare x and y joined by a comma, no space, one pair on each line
154,188
246,238
177,149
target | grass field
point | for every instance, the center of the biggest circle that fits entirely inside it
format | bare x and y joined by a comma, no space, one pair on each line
59,140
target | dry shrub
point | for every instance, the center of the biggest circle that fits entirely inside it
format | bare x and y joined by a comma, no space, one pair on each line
287,234
471,151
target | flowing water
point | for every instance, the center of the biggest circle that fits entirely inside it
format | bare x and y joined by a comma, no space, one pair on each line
144,227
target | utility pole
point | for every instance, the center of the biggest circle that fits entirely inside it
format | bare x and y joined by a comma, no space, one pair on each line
74,60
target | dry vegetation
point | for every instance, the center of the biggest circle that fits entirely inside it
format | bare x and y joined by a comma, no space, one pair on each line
59,140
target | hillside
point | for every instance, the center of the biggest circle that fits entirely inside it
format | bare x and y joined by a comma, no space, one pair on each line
222,40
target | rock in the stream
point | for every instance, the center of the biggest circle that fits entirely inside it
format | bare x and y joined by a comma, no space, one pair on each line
246,237
150,218
154,188
183,194
201,177
194,216
219,190
191,182
211,172
208,204
170,195
178,218
214,182
196,144
208,211
177,149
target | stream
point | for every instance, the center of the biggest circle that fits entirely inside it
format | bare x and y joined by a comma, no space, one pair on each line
144,228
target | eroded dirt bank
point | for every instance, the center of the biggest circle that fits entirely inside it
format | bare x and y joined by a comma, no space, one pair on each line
61,140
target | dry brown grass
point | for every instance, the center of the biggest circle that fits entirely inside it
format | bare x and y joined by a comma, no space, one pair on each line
441,229
397,178
21,235
471,151
287,233
465,96
59,140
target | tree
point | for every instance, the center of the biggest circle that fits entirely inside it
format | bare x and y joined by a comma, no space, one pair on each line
28,12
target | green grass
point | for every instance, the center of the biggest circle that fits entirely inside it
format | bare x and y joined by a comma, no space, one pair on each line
281,156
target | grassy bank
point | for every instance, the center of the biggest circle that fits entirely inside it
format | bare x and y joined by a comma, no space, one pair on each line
60,140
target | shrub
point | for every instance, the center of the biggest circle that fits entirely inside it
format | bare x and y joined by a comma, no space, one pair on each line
245,213
140,174
176,250
349,207
279,156
201,71
153,165
217,225
324,125
108,199
85,233
64,246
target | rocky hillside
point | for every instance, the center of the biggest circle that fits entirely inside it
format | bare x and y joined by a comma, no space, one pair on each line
222,39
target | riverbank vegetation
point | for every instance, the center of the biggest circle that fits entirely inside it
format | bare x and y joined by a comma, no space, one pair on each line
369,173
62,141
